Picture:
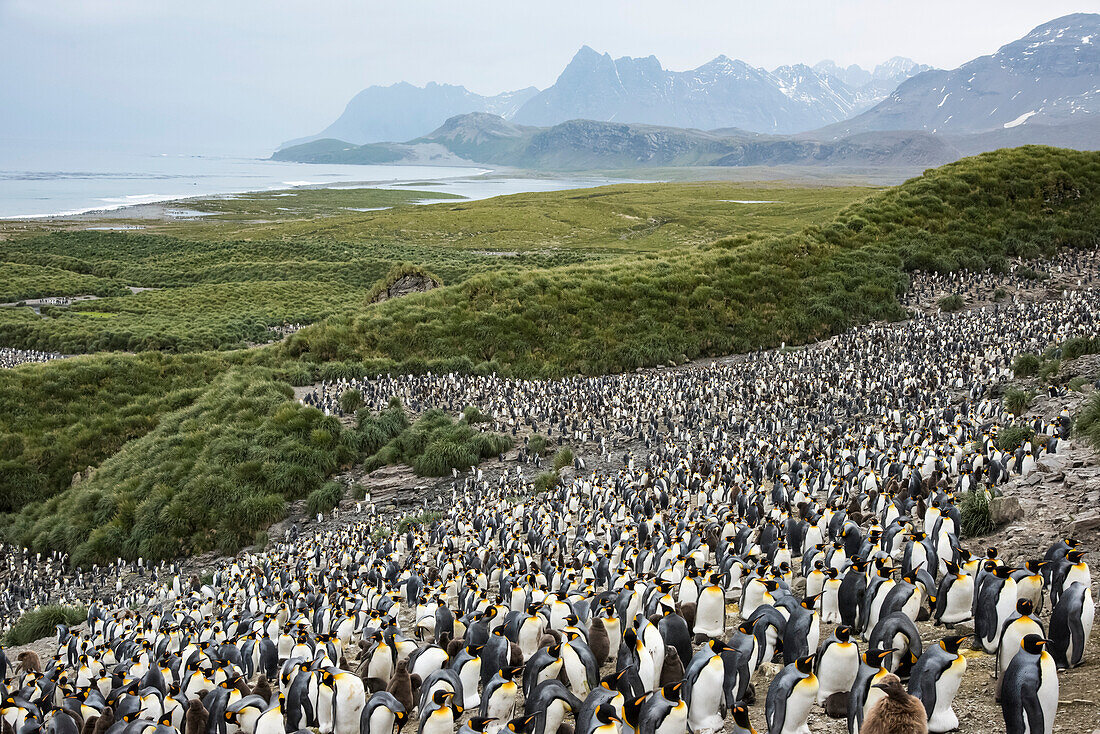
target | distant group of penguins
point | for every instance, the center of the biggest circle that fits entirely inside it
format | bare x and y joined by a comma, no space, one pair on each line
793,512
15,357
1078,266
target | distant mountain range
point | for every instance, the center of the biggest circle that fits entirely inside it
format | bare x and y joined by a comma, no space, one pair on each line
1051,76
719,94
722,93
1040,89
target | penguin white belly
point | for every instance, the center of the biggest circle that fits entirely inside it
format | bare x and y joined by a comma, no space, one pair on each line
704,716
1088,615
575,672
837,671
815,582
1048,692
502,705
710,612
675,721
830,604
555,714
428,662
960,600
943,717
381,721
799,703
912,605
614,637
381,665
530,633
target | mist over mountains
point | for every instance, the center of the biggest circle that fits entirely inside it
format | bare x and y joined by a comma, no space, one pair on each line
721,93
628,112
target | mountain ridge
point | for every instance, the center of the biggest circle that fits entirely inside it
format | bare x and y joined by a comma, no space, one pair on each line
794,96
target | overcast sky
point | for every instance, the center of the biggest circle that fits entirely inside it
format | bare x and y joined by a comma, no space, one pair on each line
245,75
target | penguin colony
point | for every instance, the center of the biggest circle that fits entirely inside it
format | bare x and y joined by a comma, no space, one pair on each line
793,510
15,357
1074,269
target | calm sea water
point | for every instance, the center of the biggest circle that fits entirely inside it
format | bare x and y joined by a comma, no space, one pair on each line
42,183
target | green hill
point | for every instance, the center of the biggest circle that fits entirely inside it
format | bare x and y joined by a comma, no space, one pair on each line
171,431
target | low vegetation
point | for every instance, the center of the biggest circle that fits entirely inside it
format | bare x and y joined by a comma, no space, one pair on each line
42,622
975,515
436,444
951,303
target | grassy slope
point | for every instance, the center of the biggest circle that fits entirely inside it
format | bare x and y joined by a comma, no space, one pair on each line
638,308
738,293
224,282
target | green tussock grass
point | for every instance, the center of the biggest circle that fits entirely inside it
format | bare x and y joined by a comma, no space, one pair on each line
952,303
42,622
436,444
975,515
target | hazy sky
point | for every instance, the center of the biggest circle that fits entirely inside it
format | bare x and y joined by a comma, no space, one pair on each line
244,75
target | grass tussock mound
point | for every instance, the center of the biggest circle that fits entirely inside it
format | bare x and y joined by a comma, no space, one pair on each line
42,622
209,475
434,445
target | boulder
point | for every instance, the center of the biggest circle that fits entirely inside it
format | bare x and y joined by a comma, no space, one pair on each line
1003,510
1084,524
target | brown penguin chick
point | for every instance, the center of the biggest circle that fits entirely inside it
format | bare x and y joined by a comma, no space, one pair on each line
599,642
515,655
29,662
89,725
687,611
454,647
105,720
194,721
672,672
400,685
262,688
896,713
5,727
416,681
241,685
550,638
836,705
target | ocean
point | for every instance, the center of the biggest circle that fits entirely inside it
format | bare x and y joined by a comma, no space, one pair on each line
35,183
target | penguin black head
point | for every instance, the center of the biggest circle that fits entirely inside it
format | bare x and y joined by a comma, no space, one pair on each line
478,723
843,633
810,602
441,697
521,724
875,656
719,647
951,643
1075,556
1024,607
741,717
805,665
510,671
1033,644
1003,572
1035,566
606,714
672,692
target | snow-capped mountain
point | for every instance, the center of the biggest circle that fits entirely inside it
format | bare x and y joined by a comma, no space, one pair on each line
723,93
1051,76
